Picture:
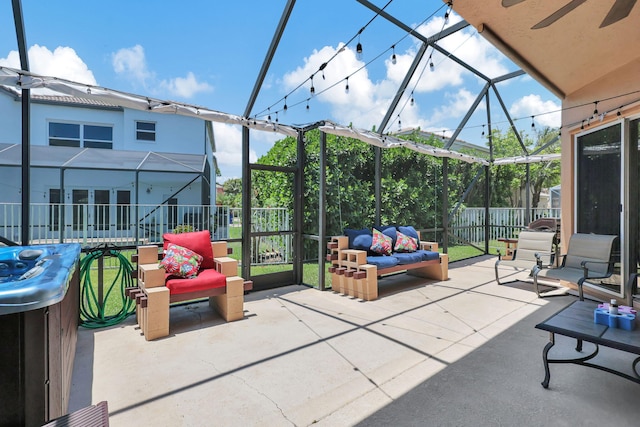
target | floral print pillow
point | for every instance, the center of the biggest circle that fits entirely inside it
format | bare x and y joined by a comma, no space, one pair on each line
181,261
405,243
381,243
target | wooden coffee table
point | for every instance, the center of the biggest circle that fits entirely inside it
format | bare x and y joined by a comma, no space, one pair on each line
576,321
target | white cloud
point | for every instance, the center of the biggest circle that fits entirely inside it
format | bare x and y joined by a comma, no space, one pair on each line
457,105
132,63
366,102
63,62
229,145
185,87
547,113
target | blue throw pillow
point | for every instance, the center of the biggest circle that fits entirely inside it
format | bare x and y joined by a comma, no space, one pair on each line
352,233
362,242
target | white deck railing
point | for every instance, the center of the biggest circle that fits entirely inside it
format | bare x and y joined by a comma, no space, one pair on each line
130,225
93,224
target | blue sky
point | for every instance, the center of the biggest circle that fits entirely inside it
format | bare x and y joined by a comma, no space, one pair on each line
209,53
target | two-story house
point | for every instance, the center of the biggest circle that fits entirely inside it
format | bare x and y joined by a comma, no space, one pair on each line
98,169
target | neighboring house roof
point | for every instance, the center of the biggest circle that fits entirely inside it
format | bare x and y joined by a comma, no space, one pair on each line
564,45
44,156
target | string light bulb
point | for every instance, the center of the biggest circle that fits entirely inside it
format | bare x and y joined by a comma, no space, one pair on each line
533,124
359,45
619,113
431,66
346,87
482,130
394,60
322,67
283,108
307,104
313,90
595,111
269,116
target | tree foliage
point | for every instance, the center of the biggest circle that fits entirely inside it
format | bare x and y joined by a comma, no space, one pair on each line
411,183
508,182
232,193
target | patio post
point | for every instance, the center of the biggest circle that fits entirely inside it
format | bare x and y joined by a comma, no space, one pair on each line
26,122
246,206
298,211
445,205
487,202
527,212
322,210
378,182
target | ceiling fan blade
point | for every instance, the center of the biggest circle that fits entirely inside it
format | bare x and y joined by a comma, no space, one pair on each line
509,3
619,11
558,14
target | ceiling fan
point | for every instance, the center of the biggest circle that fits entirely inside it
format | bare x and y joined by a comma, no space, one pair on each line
619,11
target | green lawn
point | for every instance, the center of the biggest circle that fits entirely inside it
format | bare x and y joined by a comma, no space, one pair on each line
113,281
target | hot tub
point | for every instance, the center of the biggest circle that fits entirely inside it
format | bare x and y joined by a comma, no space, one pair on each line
39,313
33,277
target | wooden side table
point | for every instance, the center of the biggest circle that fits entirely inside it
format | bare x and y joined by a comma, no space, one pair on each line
510,248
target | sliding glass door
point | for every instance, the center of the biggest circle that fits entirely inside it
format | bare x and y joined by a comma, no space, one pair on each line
607,194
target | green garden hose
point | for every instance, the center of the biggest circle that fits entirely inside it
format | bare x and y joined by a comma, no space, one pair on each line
92,312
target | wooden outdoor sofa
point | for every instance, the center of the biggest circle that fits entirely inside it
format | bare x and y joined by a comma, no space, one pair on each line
353,275
217,279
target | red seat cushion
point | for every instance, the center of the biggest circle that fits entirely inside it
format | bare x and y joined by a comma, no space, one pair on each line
198,241
206,279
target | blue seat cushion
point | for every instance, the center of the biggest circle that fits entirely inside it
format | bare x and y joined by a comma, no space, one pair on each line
408,257
428,255
382,261
413,257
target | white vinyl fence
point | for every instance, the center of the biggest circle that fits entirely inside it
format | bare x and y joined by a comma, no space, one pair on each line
468,224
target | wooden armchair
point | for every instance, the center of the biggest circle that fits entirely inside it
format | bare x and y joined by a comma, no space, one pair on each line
217,279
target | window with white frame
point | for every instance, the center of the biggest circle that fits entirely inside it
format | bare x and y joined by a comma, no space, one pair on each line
64,134
80,135
145,131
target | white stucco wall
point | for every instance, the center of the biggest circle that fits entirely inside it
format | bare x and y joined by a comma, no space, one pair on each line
174,134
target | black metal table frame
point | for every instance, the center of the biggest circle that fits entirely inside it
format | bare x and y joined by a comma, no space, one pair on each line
597,340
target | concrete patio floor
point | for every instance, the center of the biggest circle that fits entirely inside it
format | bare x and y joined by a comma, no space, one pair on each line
458,353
